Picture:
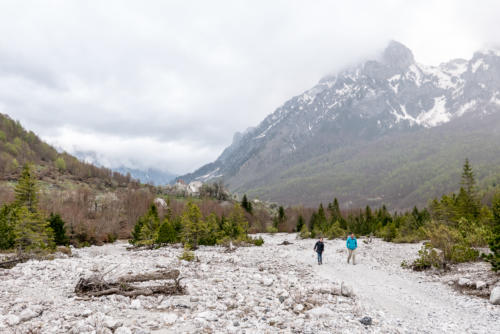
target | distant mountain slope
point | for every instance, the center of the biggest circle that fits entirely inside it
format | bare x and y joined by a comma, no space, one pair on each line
149,176
389,130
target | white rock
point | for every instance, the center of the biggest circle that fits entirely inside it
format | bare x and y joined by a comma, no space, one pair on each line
12,320
27,314
346,290
169,318
480,285
86,313
123,330
464,282
320,312
495,296
298,308
135,304
267,281
207,315
112,323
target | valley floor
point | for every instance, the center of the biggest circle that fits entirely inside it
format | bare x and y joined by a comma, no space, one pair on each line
273,288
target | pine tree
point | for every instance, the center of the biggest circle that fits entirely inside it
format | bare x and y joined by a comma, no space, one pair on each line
494,257
192,225
246,204
150,226
32,232
27,189
58,227
300,223
468,204
166,233
236,224
321,219
8,216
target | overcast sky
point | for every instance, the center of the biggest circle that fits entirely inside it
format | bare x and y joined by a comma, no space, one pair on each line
166,84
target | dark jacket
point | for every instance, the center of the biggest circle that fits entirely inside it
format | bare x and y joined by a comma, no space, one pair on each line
319,247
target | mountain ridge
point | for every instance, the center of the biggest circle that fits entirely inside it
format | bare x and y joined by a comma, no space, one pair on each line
391,96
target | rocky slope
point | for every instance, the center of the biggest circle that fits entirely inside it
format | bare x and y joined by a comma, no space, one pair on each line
369,108
268,289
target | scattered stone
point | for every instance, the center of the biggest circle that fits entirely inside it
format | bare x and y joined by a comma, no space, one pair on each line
495,296
123,330
236,323
12,320
367,321
169,318
135,304
282,299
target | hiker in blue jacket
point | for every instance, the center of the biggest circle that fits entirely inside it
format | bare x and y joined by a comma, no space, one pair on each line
352,244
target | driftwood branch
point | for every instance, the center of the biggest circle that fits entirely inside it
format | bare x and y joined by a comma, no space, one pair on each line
96,286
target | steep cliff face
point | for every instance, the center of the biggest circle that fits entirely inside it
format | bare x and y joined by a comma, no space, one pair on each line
385,100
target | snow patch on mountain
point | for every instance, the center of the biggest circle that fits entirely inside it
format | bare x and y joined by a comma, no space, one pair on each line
437,115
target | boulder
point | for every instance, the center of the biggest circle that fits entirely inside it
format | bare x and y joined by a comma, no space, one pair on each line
207,315
464,282
480,285
495,296
111,323
346,290
367,321
320,312
27,314
267,281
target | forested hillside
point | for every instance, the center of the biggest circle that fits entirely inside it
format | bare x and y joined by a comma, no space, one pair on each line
19,146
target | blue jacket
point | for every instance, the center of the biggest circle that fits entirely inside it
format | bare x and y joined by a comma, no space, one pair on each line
352,243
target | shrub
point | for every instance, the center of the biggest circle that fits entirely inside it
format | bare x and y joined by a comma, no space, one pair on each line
271,229
304,232
257,241
428,257
335,231
463,253
187,255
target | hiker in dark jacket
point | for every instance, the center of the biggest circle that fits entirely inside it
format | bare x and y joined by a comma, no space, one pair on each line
319,247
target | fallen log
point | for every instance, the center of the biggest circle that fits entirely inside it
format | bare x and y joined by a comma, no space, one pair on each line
13,262
155,276
96,286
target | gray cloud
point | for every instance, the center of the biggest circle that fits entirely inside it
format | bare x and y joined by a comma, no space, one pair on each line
167,83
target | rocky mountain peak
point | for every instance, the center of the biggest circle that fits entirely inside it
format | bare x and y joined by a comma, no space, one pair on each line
397,55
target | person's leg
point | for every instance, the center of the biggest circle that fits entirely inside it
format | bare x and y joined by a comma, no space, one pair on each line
353,256
349,252
320,258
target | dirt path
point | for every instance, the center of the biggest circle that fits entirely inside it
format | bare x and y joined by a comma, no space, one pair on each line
401,298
